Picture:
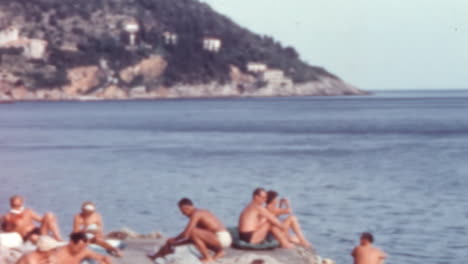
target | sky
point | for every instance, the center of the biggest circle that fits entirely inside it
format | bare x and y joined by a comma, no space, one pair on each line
372,44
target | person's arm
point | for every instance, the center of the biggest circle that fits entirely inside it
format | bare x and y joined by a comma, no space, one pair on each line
101,258
190,226
35,216
271,218
278,210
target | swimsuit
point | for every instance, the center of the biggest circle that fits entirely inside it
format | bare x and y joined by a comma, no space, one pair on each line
246,236
224,238
34,231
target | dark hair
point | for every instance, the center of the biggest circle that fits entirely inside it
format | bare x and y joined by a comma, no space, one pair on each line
271,195
78,236
185,201
257,191
14,197
367,236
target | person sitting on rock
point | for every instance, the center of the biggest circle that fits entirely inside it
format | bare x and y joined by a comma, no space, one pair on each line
76,251
256,222
291,222
204,230
366,253
90,222
21,220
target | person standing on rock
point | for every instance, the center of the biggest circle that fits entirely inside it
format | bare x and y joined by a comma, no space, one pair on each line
22,221
204,230
366,253
90,222
256,222
291,222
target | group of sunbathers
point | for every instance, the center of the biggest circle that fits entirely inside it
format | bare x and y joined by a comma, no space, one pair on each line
259,219
44,232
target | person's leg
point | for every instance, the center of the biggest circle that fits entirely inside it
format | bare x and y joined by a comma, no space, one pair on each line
110,249
282,237
167,249
261,233
203,240
49,225
293,223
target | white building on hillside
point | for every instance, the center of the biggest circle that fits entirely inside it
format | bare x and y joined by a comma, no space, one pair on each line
132,28
8,35
273,76
35,49
212,44
256,67
170,38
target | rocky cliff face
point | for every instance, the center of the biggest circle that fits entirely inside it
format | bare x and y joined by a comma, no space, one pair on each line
144,49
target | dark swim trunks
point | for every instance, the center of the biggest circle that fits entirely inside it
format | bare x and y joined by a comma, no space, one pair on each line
246,236
35,231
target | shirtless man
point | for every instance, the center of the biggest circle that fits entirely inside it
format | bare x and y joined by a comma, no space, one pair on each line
280,207
76,251
90,222
21,220
365,253
204,230
256,222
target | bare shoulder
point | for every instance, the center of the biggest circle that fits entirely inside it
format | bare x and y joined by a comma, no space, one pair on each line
381,252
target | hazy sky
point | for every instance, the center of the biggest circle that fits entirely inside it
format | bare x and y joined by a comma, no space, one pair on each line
373,44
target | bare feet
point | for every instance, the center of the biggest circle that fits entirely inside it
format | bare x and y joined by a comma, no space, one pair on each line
218,255
115,252
207,260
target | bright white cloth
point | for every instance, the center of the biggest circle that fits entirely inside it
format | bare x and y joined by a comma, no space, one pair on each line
224,237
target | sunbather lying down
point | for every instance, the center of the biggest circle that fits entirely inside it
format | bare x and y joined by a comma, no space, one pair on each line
73,253
22,220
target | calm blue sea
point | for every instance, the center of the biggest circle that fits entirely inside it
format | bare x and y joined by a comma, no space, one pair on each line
395,164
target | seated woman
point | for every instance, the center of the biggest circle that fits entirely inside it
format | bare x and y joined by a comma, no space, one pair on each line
90,222
282,207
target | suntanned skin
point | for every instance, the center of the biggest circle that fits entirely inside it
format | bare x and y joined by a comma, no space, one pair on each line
291,222
36,257
257,219
25,222
366,253
75,254
201,230
87,218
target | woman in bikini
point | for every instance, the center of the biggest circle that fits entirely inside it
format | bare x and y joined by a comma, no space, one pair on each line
281,207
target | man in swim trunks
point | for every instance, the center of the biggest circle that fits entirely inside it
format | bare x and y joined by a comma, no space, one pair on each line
366,253
21,220
76,251
256,222
204,230
90,222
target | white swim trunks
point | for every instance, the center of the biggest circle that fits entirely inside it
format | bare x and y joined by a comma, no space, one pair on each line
224,238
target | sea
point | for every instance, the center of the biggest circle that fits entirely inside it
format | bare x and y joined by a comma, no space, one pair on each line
394,163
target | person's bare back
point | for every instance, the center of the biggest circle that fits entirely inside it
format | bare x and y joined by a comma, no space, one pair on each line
366,253
208,221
